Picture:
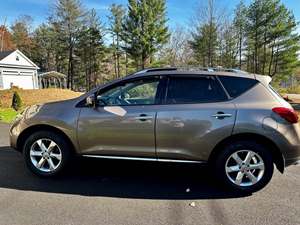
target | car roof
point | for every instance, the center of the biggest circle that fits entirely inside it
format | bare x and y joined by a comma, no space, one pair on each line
192,71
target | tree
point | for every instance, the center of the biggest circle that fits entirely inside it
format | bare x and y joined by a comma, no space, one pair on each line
272,43
45,46
21,34
177,51
239,23
116,19
205,37
205,43
228,46
68,16
6,42
91,49
144,30
16,101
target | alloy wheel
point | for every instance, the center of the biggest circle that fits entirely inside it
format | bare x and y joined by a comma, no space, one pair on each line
244,168
45,155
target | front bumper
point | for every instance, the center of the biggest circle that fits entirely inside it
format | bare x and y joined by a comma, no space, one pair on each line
14,132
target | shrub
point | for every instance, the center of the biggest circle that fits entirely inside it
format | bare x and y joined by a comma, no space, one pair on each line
16,101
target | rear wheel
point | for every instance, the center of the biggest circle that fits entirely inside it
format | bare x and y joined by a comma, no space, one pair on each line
244,166
46,153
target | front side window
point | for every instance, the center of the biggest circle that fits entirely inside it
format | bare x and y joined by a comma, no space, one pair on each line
141,92
189,90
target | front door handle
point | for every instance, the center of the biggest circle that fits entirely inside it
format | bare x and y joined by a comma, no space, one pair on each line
221,115
143,117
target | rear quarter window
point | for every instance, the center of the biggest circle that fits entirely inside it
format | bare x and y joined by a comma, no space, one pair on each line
236,86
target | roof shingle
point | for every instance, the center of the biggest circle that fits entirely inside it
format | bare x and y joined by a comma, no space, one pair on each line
5,53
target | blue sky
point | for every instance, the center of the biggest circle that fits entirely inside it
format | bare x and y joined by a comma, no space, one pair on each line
179,11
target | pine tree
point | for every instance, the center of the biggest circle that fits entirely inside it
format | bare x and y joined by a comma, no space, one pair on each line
91,49
272,43
239,24
45,46
68,17
116,19
205,43
145,30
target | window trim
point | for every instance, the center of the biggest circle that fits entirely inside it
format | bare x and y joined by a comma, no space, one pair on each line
194,76
158,98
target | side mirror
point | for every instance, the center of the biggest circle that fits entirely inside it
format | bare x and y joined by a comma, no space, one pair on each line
90,101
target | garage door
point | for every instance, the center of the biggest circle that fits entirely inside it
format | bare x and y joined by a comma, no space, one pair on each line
22,81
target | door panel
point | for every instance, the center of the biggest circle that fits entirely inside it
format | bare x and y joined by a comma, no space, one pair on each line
117,130
124,121
190,131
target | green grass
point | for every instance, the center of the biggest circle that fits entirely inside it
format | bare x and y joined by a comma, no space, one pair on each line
7,115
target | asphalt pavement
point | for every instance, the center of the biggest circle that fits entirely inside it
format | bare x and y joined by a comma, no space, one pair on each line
118,192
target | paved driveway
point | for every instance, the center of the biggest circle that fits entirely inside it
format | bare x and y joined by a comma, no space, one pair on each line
116,192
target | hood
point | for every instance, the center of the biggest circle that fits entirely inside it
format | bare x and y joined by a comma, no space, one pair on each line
50,109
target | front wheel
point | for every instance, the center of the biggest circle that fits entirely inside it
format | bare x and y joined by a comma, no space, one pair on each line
46,153
244,166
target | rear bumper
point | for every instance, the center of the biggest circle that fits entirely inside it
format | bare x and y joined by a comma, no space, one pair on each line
291,154
292,161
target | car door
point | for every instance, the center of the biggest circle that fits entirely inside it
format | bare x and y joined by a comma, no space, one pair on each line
123,121
196,115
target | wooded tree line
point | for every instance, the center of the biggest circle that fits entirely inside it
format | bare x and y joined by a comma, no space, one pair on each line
259,38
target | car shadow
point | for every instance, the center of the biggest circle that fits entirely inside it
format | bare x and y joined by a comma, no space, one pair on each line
112,178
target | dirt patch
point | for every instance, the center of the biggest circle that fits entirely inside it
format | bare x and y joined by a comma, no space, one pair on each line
31,97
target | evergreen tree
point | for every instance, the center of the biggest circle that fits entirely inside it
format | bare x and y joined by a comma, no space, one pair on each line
68,17
205,43
239,24
116,19
144,30
272,43
90,49
44,51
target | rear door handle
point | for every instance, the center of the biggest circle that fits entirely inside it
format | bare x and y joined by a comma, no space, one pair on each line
221,115
143,117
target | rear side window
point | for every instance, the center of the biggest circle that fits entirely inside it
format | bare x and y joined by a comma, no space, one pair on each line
236,86
188,90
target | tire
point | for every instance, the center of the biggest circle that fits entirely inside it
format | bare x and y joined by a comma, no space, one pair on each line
230,174
32,152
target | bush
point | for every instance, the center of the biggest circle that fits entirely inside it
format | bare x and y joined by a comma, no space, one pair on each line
16,101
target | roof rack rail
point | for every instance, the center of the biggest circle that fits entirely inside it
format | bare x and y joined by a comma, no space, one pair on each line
207,69
156,69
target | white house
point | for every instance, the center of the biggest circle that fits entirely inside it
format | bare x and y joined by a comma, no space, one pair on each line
17,70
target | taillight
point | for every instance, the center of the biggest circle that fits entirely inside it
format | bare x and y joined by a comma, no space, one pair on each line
289,115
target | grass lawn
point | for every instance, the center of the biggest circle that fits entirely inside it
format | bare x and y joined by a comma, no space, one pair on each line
7,115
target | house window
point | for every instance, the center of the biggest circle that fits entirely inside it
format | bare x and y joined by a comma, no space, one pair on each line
17,58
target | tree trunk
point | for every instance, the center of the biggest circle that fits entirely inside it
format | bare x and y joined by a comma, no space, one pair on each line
271,60
118,56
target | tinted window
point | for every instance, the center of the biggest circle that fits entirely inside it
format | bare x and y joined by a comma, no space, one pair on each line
141,92
236,86
194,90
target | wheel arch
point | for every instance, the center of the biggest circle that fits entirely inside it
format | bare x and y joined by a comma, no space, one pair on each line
35,128
269,144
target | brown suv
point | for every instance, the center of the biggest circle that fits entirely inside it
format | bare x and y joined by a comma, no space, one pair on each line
231,119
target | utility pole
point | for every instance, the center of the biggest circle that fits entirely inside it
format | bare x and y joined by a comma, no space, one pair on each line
2,35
